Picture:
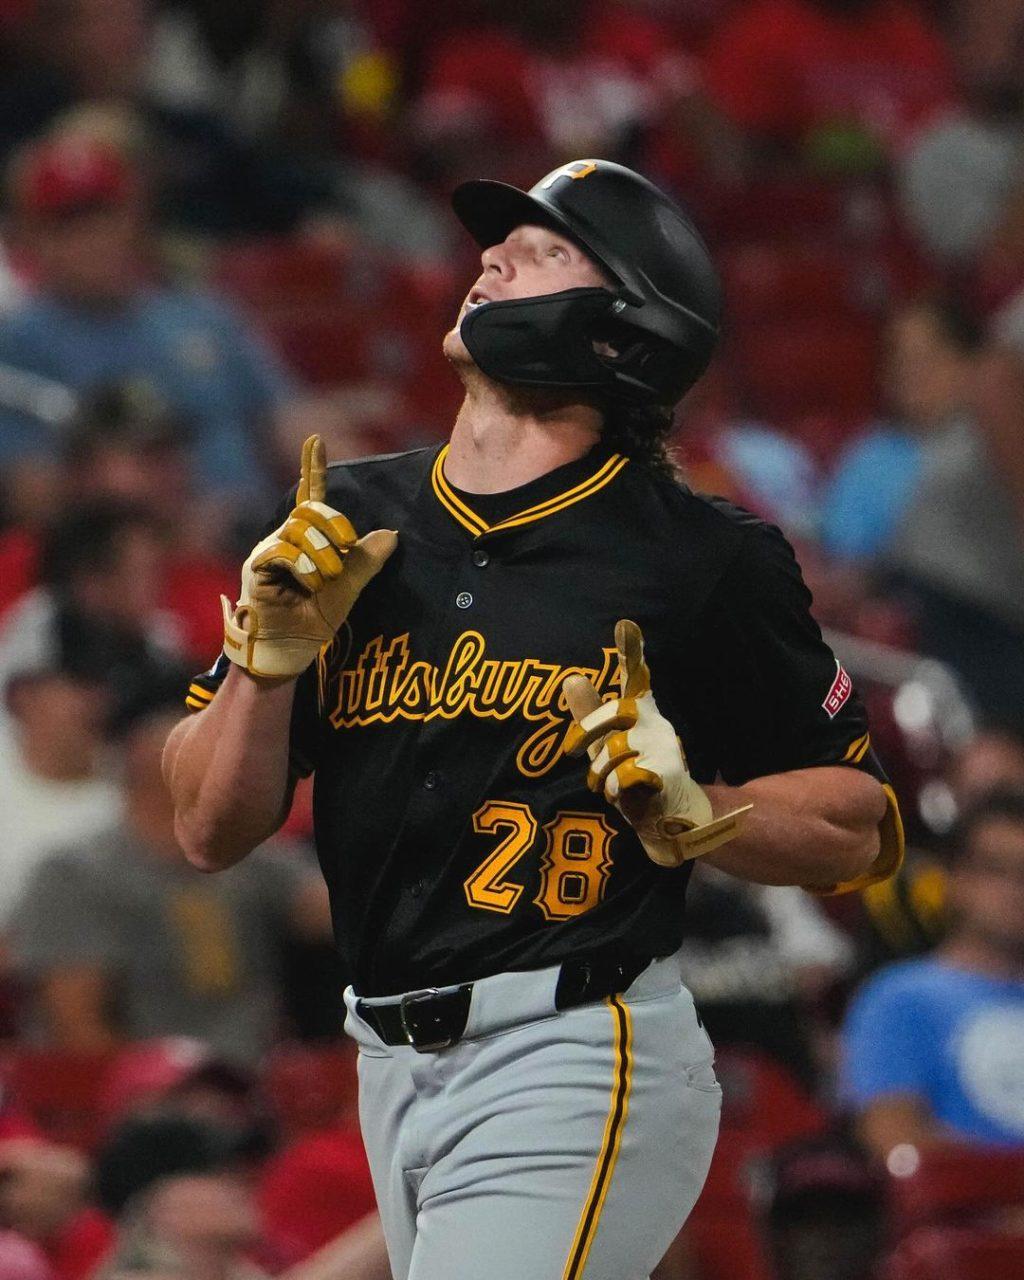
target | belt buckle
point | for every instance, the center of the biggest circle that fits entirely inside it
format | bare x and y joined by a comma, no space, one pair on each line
407,1002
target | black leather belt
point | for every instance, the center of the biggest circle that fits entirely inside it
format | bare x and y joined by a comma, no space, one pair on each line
430,1020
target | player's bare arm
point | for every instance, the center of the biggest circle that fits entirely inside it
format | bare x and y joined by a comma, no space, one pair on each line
228,769
813,827
228,772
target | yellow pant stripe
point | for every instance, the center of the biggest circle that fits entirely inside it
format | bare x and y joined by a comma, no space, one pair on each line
619,1108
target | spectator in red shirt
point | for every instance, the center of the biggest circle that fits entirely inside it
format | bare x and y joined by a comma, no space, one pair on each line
845,81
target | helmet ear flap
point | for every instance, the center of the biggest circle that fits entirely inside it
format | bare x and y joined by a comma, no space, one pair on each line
644,365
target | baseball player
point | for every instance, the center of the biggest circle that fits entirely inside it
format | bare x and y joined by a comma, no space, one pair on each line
546,680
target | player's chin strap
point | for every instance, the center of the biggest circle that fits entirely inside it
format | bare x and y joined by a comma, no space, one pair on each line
541,342
637,762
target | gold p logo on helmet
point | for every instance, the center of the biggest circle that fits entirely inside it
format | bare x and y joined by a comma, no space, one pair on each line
574,169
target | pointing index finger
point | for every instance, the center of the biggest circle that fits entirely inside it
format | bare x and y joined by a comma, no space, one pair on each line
634,676
313,473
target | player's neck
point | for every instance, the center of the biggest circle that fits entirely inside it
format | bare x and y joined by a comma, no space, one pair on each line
500,441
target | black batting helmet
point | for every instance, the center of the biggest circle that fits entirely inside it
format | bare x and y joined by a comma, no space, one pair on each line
661,315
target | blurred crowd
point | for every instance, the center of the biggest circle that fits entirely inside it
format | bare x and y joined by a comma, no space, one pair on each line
226,226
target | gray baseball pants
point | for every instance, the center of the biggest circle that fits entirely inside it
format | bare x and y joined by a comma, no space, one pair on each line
546,1144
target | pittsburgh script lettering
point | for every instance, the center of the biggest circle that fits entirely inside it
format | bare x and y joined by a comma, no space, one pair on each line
385,683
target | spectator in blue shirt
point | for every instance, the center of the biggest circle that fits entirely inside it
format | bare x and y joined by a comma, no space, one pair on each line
98,315
934,1047
931,344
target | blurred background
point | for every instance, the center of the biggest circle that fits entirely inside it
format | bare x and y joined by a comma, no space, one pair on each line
225,225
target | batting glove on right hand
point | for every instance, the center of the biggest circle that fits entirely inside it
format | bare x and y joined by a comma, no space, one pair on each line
299,584
637,761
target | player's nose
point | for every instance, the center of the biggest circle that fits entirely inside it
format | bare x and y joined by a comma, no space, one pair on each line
497,259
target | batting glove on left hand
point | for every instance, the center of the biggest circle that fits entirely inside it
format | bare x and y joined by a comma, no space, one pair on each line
637,761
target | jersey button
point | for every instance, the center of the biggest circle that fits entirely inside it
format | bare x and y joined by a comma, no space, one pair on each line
463,600
432,780
480,558
416,890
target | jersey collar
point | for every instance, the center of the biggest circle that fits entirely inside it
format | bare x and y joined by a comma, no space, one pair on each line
599,468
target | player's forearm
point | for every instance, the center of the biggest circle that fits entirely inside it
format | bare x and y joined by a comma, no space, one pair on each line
227,770
809,827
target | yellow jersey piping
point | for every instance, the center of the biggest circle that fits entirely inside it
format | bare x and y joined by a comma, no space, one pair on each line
476,525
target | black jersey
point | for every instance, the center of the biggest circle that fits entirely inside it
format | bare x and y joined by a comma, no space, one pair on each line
456,837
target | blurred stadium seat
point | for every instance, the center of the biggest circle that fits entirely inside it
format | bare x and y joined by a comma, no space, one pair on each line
341,317
951,1254
61,1092
309,1087
763,1105
957,1184
822,366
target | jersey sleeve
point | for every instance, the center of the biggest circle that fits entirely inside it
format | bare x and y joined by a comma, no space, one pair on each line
304,732
771,694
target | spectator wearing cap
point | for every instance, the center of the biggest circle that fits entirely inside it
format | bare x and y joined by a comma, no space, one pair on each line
934,1047
99,313
212,178
122,940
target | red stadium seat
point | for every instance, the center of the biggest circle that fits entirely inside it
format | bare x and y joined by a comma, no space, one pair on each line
794,371
951,1254
763,1102
772,282
61,1092
309,1088
268,273
340,318
957,1184
773,209
762,1107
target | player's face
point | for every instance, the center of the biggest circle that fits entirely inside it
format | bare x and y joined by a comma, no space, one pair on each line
530,262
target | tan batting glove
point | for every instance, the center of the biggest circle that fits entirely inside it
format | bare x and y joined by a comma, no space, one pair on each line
637,761
300,583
